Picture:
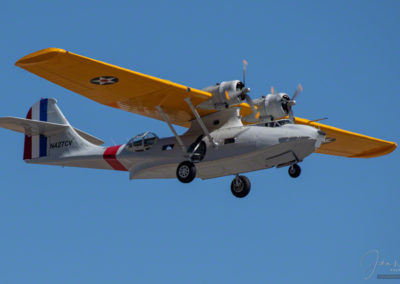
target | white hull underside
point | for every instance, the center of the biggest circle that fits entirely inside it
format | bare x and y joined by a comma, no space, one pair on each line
282,154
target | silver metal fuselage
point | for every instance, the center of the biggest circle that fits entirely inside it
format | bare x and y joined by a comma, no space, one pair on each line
251,148
236,149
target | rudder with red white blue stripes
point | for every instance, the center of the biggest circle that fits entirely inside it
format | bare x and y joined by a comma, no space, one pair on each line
36,146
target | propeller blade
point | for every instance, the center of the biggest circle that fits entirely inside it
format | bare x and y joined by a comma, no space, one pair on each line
292,102
251,103
297,92
272,90
244,70
255,114
227,95
291,116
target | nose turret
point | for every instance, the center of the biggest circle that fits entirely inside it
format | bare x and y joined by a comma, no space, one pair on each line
320,137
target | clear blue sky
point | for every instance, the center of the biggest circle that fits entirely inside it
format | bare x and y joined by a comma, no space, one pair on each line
67,225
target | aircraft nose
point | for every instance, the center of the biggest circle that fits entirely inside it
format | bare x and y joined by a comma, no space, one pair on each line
320,137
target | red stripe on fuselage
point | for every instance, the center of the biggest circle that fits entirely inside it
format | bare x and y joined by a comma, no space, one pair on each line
28,140
110,156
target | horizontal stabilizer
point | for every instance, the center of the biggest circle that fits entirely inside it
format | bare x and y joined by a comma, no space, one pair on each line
92,139
31,127
35,127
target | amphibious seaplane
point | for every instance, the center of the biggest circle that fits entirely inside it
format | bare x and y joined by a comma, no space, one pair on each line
228,132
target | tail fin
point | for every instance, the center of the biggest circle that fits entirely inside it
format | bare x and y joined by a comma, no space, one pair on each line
47,132
46,110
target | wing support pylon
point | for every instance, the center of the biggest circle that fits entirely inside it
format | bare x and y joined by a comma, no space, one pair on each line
178,138
200,122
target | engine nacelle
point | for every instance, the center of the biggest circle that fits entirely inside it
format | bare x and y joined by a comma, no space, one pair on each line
224,95
270,108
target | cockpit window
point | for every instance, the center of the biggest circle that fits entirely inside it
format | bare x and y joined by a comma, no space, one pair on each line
283,121
277,123
150,139
143,141
137,141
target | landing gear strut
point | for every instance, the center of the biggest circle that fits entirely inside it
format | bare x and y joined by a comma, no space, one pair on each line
294,170
186,172
240,186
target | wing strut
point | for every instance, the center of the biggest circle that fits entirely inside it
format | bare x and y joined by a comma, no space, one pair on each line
180,142
200,122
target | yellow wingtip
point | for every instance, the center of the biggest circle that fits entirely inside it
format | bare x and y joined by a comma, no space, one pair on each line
387,149
39,56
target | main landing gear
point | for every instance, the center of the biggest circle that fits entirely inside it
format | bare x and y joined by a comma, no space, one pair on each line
186,172
240,186
294,170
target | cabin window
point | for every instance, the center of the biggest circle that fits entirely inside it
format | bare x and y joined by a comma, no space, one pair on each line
167,147
229,140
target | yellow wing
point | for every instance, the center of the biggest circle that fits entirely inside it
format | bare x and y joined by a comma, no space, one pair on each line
115,86
139,93
349,144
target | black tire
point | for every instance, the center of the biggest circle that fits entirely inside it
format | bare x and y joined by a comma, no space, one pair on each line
242,189
186,172
294,170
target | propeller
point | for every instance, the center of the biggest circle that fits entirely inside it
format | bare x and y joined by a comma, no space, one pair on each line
241,93
272,106
244,71
299,89
244,94
287,102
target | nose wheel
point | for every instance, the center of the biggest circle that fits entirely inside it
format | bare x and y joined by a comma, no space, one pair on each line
240,186
186,172
294,170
